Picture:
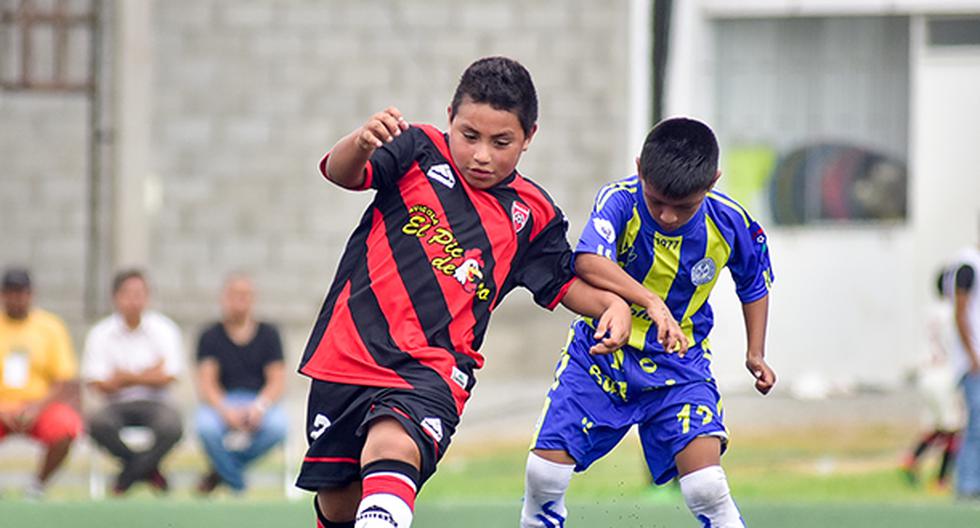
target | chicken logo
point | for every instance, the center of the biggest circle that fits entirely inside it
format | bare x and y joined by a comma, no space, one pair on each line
470,272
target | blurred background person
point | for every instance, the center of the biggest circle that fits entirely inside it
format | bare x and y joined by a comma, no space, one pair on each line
936,383
962,281
132,357
240,379
38,388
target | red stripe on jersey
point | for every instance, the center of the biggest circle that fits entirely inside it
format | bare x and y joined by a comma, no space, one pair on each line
542,210
345,359
416,189
403,323
332,460
373,484
500,231
561,293
368,173
493,224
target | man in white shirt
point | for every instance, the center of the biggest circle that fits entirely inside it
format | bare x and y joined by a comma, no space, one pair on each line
131,357
964,286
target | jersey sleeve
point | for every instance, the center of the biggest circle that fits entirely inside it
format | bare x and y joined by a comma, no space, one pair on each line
388,163
206,346
546,269
274,351
64,366
749,262
612,209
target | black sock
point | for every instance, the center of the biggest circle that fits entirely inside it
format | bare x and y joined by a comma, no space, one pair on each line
323,522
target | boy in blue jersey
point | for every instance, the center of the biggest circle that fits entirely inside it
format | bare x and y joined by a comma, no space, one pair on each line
666,234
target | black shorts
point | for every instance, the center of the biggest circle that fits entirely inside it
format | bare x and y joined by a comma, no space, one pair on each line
337,416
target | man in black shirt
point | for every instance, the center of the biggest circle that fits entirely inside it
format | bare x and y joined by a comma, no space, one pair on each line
240,378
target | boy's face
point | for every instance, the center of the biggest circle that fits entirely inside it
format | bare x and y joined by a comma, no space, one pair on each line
486,143
672,213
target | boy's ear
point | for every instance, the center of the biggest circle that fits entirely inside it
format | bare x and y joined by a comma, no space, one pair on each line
638,166
714,181
449,113
529,137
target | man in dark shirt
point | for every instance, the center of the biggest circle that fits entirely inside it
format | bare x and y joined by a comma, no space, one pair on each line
240,378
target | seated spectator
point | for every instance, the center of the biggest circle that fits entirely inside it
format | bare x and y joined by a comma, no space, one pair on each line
240,378
38,389
131,357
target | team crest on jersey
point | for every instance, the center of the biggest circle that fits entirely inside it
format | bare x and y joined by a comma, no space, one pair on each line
443,174
704,271
470,272
519,214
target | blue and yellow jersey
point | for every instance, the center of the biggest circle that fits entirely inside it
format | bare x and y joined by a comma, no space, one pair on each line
681,267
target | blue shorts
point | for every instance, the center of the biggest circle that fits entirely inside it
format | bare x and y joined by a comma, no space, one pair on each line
585,420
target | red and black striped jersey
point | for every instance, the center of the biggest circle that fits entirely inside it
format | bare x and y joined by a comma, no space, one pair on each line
429,261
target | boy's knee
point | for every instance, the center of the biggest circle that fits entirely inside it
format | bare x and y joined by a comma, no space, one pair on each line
704,487
544,475
387,439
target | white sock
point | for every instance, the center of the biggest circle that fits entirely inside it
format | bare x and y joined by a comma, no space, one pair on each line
707,495
545,483
383,510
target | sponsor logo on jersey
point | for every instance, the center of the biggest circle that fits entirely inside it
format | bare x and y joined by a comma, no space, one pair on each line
519,214
443,174
460,377
605,229
463,265
704,271
433,426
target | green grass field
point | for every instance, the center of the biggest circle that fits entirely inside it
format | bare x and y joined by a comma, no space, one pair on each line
800,479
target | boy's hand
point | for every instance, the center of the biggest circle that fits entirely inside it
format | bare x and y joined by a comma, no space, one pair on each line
613,329
669,333
764,376
382,128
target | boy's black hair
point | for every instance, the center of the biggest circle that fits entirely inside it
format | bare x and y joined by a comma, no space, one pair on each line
124,275
679,157
502,83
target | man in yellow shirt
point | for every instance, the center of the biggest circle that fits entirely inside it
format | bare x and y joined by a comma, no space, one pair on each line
38,375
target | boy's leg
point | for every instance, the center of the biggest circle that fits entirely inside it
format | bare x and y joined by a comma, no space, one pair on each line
704,485
684,434
390,476
337,507
580,423
546,479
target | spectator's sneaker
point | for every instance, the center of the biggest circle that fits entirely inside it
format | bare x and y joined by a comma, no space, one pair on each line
208,483
158,481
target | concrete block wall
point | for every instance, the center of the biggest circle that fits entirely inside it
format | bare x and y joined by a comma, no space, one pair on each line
248,95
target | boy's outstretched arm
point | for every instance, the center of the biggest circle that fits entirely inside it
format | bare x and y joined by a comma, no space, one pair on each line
613,329
345,165
756,314
603,273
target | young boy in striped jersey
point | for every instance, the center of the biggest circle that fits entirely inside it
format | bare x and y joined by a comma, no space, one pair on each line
665,233
452,229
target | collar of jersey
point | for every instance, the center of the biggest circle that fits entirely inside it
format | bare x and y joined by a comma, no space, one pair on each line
647,218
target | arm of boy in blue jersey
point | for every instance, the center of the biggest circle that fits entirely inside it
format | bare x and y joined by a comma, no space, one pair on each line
756,314
605,274
613,329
